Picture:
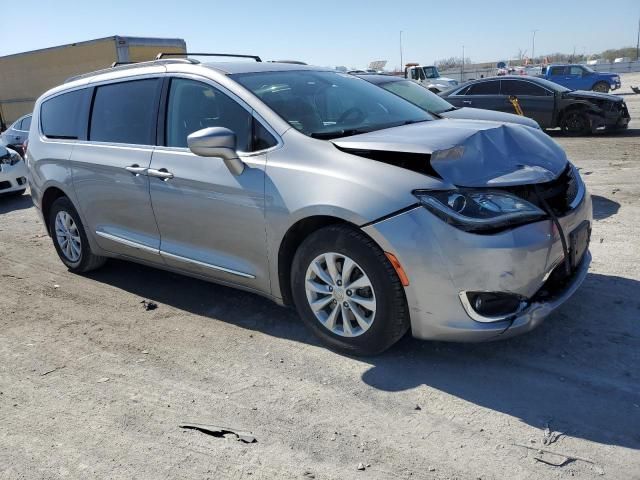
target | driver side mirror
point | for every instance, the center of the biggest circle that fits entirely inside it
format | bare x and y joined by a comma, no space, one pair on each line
217,142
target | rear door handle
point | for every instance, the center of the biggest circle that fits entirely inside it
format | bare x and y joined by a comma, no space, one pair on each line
163,173
136,169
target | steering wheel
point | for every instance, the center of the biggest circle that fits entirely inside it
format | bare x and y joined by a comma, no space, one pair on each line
353,114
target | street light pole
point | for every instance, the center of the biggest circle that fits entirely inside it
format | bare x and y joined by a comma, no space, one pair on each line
401,64
462,66
533,46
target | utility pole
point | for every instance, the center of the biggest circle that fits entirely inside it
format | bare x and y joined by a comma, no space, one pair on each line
401,64
533,46
638,42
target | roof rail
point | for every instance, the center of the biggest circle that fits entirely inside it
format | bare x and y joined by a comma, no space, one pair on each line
115,66
175,54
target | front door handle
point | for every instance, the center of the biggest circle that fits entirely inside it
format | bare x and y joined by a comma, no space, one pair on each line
466,102
136,169
163,173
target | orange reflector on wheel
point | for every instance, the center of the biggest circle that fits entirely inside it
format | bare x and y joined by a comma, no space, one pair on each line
398,268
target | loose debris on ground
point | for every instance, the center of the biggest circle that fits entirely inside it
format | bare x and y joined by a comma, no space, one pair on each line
220,432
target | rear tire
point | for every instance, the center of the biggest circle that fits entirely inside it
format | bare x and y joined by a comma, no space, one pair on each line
70,239
602,87
369,330
575,122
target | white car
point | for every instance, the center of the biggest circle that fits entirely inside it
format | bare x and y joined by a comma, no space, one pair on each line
13,172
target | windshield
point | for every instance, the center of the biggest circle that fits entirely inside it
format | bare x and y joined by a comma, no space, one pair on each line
330,104
418,95
431,72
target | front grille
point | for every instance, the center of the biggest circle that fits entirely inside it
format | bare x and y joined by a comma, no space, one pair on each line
559,194
4,185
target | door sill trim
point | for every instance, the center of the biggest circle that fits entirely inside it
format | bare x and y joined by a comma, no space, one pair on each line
206,265
128,243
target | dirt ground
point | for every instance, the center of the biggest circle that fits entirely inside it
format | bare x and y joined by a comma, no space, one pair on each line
94,386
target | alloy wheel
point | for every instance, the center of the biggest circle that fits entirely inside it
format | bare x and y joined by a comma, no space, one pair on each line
340,294
68,236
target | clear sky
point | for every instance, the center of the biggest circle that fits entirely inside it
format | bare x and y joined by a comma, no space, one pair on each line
333,32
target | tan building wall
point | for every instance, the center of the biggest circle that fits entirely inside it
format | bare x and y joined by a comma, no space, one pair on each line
26,76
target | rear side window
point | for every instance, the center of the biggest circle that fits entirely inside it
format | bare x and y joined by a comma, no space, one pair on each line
485,88
125,112
59,116
26,123
521,88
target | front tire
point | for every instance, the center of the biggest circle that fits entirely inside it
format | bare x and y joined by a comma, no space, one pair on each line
70,239
347,292
575,122
602,87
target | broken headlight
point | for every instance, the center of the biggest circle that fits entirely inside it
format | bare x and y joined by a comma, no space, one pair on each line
477,210
10,158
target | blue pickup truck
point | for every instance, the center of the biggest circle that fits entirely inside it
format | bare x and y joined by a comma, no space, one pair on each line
581,77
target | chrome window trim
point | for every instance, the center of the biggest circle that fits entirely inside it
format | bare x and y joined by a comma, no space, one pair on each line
206,265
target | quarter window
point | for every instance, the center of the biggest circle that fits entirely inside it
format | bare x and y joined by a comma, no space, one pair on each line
262,139
124,112
194,105
26,123
59,116
485,88
522,88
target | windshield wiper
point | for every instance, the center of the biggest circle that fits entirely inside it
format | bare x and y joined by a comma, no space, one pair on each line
340,133
347,132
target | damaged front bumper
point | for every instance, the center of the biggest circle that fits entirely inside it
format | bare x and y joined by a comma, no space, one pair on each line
615,117
443,262
13,178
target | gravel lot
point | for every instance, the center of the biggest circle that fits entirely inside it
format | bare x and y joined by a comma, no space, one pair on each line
94,386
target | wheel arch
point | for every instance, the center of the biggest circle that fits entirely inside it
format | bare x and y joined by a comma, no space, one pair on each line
292,239
50,195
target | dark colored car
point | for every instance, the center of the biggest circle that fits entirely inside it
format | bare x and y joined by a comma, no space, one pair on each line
549,104
427,100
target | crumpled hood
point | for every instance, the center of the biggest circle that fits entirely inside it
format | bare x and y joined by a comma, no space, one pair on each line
493,154
588,94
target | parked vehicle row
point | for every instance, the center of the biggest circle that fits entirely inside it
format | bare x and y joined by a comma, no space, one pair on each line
549,104
17,133
432,103
316,189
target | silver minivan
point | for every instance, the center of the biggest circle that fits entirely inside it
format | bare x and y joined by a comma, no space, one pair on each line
316,189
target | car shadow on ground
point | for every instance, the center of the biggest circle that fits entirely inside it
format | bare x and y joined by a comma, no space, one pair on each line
578,371
9,203
244,309
603,207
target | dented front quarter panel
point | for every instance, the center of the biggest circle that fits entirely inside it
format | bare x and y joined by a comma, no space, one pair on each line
442,261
